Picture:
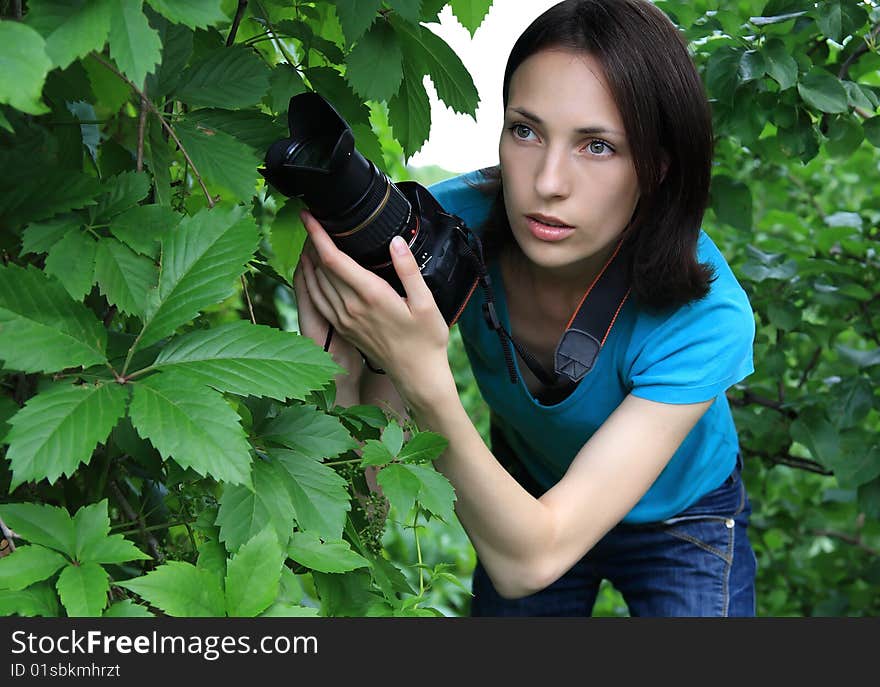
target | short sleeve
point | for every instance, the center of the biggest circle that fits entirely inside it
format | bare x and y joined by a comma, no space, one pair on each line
698,351
459,196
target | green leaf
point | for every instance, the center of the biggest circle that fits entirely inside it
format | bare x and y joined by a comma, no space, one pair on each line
356,16
309,431
253,575
196,14
409,10
732,202
193,425
57,430
177,48
333,556
752,66
134,44
374,67
72,28
871,127
40,523
4,123
24,65
409,112
330,84
284,83
823,91
862,359
722,73
392,437
857,463
225,77
401,487
124,277
375,453
83,590
182,590
251,127
319,495
423,448
91,523
470,13
850,402
200,263
220,159
113,549
453,82
42,329
212,556
127,609
39,237
249,359
38,599
784,315
70,190
819,436
435,492
244,512
72,262
123,191
828,17
29,564
143,227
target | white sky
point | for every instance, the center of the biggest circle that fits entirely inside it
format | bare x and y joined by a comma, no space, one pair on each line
456,142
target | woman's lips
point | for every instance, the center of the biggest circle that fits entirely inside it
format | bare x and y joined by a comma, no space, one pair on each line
545,232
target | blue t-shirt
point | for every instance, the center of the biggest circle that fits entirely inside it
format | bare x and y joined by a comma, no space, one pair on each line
687,354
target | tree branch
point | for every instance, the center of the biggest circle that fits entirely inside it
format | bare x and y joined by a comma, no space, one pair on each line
817,354
794,462
858,52
8,534
142,126
165,124
131,514
248,298
848,538
749,398
239,13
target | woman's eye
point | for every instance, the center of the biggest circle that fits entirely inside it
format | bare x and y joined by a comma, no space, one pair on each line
599,148
520,131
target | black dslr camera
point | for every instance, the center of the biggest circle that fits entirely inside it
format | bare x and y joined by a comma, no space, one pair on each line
362,210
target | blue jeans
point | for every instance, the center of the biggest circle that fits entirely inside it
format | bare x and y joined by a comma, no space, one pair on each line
697,563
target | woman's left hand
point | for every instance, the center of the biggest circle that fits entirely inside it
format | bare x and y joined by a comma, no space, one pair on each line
407,337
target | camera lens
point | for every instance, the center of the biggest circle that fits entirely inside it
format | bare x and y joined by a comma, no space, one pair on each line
358,205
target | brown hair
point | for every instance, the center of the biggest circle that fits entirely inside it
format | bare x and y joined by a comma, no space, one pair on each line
667,121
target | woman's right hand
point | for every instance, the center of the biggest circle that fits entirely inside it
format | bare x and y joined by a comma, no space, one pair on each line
314,325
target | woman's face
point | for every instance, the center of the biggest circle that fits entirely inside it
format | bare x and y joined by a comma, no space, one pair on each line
565,160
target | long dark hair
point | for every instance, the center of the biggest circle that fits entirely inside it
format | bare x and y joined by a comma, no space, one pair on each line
667,121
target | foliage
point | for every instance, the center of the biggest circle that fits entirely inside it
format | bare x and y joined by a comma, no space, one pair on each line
171,446
149,385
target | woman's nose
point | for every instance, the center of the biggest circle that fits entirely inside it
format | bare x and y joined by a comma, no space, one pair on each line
553,179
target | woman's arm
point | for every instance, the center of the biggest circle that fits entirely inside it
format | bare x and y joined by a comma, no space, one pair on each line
524,543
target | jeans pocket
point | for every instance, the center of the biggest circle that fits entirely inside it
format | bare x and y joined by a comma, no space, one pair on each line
711,533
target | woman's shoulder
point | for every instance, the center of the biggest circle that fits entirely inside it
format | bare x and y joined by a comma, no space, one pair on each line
461,195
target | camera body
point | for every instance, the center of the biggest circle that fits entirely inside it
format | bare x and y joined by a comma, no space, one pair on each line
362,209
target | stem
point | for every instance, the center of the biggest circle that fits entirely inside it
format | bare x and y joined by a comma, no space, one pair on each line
130,513
239,13
165,124
153,528
419,552
858,52
248,298
274,33
142,125
7,535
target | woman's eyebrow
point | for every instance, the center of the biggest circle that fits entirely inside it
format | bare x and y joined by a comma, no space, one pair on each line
582,130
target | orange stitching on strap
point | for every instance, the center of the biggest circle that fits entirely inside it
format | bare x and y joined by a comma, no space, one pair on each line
598,276
614,319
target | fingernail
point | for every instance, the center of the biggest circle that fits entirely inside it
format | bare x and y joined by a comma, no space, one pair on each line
398,245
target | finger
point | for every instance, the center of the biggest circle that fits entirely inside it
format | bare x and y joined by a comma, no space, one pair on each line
418,295
315,296
337,262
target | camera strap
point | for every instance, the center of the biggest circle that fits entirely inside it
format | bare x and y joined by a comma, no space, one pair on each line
585,333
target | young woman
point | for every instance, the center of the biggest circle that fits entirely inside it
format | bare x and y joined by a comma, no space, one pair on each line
632,474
